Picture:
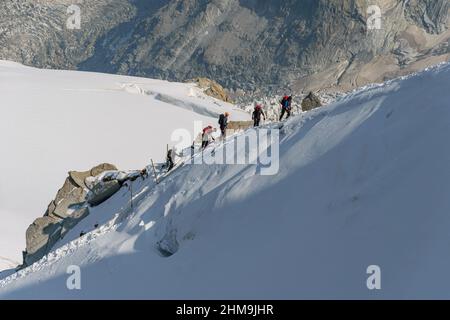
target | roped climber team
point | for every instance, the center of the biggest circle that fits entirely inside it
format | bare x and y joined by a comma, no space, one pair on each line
208,132
257,115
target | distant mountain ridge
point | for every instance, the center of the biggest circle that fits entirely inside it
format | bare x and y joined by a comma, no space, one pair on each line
254,45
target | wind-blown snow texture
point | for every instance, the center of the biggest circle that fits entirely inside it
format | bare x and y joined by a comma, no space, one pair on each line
363,182
52,122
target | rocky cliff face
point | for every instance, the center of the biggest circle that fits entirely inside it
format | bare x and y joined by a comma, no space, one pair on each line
302,44
431,16
80,192
64,212
35,32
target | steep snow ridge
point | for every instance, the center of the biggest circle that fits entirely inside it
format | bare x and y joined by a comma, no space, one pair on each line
119,209
52,122
363,182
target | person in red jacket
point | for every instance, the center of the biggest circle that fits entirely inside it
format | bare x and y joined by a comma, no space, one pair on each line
207,136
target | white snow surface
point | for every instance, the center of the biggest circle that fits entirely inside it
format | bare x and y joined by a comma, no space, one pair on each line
363,182
52,122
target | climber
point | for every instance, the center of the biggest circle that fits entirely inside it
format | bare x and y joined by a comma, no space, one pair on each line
286,107
169,160
223,122
207,136
193,148
257,113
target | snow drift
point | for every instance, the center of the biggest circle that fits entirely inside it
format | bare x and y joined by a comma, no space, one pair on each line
52,122
363,182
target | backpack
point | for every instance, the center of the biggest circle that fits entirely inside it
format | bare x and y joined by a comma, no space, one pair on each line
222,120
286,103
206,129
258,111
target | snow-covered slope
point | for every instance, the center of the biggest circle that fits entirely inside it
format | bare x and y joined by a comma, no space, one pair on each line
363,182
55,121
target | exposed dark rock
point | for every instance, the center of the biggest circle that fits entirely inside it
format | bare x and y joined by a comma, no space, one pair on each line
310,102
169,245
429,15
102,192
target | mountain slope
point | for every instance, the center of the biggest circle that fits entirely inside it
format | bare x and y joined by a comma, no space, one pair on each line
52,122
363,182
270,44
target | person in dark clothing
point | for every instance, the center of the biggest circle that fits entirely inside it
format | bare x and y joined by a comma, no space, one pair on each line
169,161
256,116
193,149
286,107
223,122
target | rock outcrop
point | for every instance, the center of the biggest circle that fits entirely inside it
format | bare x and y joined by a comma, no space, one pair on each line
212,89
429,15
310,102
103,191
69,207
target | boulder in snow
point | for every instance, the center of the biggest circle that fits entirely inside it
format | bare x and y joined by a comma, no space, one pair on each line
103,191
311,101
65,211
212,89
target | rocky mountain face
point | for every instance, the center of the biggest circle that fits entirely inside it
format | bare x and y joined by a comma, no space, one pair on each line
36,33
64,212
80,192
251,44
